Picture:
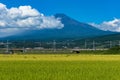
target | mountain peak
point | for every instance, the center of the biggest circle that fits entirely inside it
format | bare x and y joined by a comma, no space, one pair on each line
60,15
66,19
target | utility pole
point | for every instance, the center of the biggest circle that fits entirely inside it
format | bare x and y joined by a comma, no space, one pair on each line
94,45
119,43
85,44
24,46
68,44
110,44
7,47
54,46
40,44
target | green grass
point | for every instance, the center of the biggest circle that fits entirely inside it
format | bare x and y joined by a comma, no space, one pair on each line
59,67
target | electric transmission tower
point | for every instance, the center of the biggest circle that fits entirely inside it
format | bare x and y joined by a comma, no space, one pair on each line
85,44
7,47
94,45
110,44
54,46
24,46
119,44
68,44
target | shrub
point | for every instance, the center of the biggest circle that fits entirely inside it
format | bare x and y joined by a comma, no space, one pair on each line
114,50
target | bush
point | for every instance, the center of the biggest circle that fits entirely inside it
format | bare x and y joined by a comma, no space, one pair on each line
114,50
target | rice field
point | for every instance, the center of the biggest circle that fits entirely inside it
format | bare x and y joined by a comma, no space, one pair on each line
59,67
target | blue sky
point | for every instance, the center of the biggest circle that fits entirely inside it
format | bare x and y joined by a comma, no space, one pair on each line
95,11
19,15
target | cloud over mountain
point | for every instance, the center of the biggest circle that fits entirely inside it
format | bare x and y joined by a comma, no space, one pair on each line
25,17
113,25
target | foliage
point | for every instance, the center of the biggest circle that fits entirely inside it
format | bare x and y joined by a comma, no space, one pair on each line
114,50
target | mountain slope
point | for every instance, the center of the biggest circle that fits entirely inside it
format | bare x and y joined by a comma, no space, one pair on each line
72,29
79,29
110,37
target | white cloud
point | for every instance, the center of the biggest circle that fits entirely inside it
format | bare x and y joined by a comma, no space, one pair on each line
8,31
46,21
25,17
113,25
27,11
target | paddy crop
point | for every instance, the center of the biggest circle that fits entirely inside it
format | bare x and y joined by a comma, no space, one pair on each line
59,67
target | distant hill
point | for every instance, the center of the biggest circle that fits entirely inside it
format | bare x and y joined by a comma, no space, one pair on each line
72,30
111,37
